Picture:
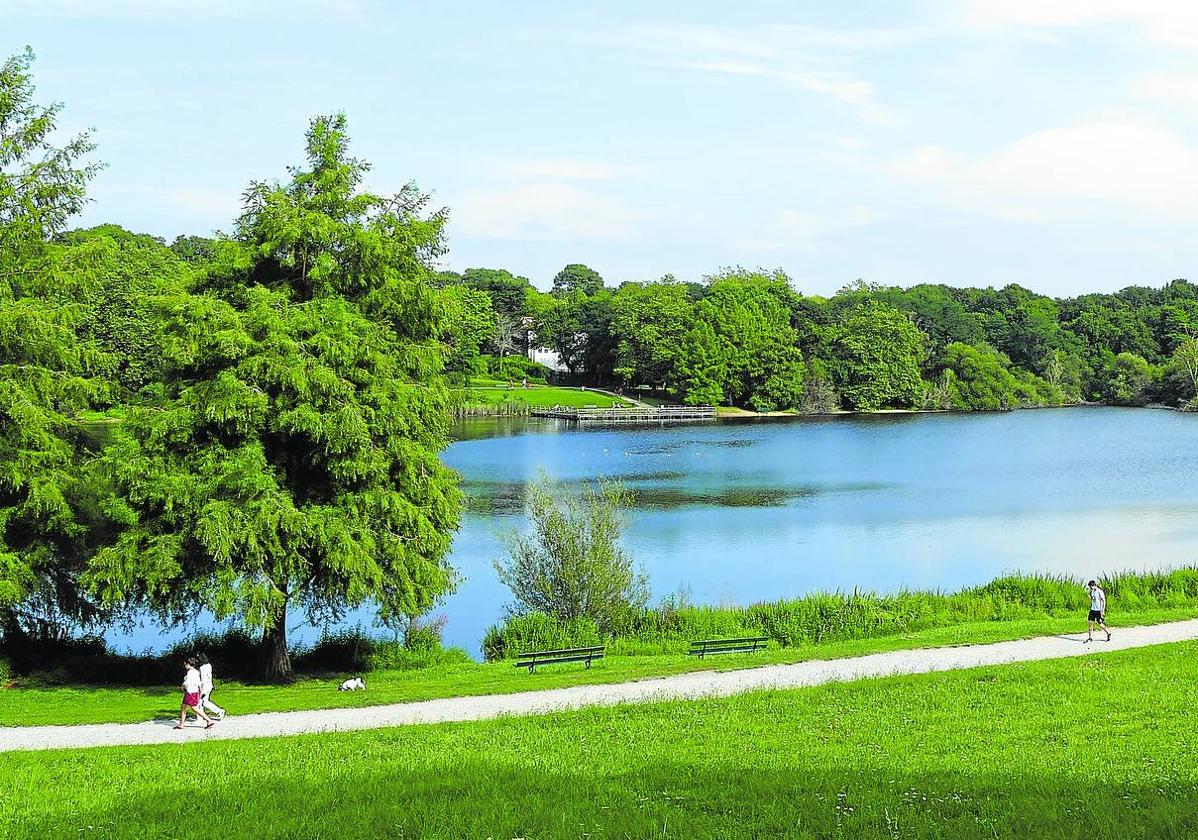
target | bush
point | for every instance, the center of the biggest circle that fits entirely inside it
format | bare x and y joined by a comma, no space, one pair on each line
512,368
5,672
538,631
570,563
357,652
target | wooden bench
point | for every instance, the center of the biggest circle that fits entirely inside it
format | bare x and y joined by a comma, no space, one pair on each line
554,657
703,647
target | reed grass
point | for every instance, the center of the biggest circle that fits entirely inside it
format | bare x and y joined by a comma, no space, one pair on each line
821,618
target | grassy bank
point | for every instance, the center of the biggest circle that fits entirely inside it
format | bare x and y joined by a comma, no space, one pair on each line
504,399
1099,747
832,617
31,704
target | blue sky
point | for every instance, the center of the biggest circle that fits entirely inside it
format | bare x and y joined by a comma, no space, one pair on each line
971,143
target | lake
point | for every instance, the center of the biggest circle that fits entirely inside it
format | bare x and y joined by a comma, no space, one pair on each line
746,510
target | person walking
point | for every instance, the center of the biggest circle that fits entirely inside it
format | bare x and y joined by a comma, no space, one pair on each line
1097,611
206,687
191,696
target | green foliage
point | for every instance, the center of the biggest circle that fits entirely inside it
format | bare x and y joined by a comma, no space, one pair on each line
537,631
47,372
1184,365
570,564
470,323
877,353
650,321
510,369
293,460
357,652
508,293
196,250
823,618
122,277
577,278
1129,380
748,348
979,378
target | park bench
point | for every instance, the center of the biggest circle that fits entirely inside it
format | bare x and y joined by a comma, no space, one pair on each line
554,657
703,647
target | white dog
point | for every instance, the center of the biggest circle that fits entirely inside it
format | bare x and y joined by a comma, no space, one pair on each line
355,684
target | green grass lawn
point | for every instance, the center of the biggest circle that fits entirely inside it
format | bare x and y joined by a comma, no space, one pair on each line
32,706
1100,747
542,396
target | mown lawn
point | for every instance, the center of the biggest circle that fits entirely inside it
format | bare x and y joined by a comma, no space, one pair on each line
1099,747
32,706
541,396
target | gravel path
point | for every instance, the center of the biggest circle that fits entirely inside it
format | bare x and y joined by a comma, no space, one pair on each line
686,686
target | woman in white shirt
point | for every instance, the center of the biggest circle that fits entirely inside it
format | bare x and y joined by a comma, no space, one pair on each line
191,696
206,687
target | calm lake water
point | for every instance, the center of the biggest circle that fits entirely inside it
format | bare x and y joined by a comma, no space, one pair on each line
740,511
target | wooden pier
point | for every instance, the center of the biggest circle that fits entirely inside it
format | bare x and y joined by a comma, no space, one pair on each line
635,414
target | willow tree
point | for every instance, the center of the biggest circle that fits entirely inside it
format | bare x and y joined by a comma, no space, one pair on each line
293,464
46,373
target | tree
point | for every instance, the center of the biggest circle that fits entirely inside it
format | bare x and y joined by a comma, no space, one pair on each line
47,374
125,274
570,564
508,293
196,250
1129,377
1185,360
577,327
702,366
978,378
650,321
469,324
876,357
577,278
751,319
293,462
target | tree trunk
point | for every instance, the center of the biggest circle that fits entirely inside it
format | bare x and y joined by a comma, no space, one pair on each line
278,661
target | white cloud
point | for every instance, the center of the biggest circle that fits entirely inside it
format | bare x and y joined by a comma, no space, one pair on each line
1163,22
560,169
927,164
807,58
1111,162
1173,89
800,230
542,210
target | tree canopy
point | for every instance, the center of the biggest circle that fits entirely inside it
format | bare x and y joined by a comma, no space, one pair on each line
293,461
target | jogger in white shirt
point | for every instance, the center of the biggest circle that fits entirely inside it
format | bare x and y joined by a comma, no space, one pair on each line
1097,611
206,687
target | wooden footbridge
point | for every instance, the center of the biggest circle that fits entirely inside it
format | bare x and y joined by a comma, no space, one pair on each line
630,414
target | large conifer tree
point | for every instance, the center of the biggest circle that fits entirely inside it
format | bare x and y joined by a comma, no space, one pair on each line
294,462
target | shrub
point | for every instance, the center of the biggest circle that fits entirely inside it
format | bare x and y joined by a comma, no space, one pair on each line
538,631
570,564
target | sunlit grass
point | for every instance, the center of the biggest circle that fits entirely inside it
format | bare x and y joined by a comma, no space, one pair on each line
1098,747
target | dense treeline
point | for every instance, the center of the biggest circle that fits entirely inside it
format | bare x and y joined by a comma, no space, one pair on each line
749,339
